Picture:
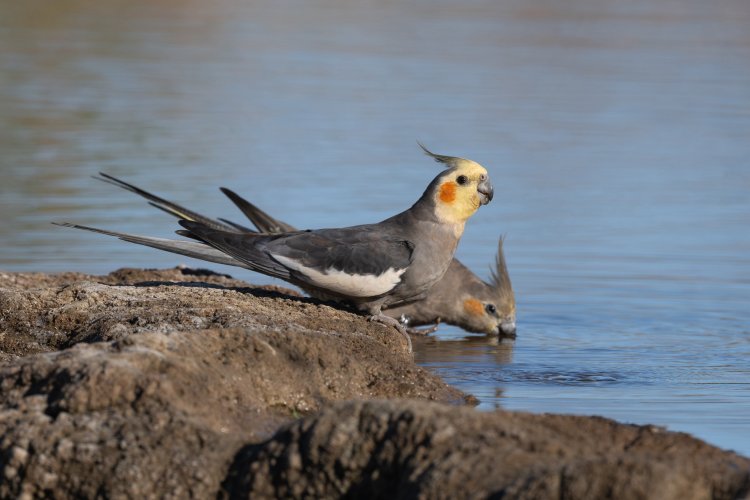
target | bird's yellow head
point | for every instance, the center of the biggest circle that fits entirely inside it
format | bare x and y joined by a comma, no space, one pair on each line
491,307
460,190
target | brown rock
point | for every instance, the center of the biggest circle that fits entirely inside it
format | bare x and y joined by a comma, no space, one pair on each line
400,449
62,310
163,414
172,379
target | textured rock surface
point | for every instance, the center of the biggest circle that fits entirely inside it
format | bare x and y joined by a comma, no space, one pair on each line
42,313
159,414
387,449
162,385
182,383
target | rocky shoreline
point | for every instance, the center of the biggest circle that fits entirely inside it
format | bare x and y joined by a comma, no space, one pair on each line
186,383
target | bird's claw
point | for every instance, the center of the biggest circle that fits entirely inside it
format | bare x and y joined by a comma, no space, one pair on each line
404,320
387,320
422,332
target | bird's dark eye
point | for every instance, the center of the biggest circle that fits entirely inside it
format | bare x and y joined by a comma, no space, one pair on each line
462,179
490,308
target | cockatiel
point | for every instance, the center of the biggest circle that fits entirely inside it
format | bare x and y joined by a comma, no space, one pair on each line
369,266
460,298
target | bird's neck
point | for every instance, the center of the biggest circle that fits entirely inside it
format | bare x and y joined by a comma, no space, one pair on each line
457,228
445,215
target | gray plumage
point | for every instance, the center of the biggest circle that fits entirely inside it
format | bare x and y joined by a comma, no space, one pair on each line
462,299
368,266
453,299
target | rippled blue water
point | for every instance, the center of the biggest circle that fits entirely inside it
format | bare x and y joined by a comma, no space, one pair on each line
616,134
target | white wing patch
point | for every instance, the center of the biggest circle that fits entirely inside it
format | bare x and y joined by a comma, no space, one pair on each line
353,285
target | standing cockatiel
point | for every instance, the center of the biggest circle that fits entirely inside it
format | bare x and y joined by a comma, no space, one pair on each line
369,266
460,298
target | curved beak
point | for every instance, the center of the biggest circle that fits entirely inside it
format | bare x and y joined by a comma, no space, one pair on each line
485,190
508,328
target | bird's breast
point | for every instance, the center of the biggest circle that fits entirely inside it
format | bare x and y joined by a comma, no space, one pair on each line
432,256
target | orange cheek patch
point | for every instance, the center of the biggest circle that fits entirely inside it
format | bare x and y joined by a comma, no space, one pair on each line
448,192
473,306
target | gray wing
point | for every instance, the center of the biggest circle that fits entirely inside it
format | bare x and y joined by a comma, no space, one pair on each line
358,250
315,257
240,246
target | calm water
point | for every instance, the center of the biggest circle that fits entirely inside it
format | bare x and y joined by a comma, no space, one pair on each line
617,135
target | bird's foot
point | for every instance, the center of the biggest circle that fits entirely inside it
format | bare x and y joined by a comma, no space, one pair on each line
422,332
387,320
404,320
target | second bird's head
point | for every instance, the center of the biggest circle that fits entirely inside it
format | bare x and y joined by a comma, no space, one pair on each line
460,189
488,308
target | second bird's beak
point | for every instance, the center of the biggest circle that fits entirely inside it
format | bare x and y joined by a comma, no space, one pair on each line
485,190
508,328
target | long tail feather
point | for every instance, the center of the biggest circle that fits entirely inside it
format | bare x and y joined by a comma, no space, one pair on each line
192,249
238,227
264,222
171,208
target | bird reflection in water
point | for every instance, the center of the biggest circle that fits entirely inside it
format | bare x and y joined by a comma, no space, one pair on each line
474,349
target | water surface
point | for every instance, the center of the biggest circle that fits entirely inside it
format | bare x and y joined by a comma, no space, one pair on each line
616,134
